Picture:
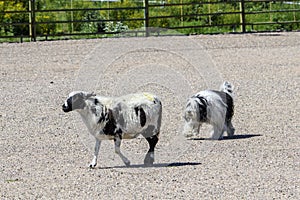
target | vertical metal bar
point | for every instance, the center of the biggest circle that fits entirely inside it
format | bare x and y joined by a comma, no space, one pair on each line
32,22
72,17
209,11
294,11
242,16
146,16
181,13
271,18
29,9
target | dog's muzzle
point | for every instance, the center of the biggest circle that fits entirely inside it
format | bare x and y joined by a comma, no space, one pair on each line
66,108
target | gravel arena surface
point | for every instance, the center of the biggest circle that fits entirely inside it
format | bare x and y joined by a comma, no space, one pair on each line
44,154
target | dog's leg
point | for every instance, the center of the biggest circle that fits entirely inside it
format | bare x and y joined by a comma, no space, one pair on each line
198,129
217,133
151,134
225,128
230,129
149,159
96,152
117,141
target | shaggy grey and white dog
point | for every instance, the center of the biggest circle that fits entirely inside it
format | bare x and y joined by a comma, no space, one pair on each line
212,107
117,118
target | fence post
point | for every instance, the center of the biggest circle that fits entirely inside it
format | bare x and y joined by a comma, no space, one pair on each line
32,25
242,16
146,16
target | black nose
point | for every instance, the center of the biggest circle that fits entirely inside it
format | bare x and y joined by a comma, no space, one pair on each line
66,108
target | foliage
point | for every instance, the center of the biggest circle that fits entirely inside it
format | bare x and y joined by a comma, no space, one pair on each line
14,18
130,16
123,15
115,27
46,28
93,23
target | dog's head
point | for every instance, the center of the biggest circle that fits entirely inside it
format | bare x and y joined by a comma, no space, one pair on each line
195,113
76,101
191,117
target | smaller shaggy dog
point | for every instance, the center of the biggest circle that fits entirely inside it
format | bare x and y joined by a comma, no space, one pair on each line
212,107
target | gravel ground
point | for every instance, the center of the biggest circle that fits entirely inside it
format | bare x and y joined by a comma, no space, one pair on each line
44,152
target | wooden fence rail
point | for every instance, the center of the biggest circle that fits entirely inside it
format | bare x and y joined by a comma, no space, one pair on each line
190,18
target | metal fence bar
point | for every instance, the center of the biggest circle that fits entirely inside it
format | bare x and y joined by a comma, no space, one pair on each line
32,21
35,24
243,16
271,11
146,15
91,9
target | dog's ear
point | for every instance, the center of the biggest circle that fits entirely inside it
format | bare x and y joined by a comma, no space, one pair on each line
88,95
76,101
202,112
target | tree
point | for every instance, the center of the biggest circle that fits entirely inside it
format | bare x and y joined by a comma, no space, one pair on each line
16,17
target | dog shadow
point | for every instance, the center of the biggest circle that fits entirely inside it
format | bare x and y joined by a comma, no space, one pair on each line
237,137
157,165
234,137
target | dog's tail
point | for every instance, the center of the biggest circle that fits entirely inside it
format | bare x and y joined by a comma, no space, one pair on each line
227,87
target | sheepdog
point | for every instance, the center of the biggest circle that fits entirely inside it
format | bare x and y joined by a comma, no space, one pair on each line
212,107
117,118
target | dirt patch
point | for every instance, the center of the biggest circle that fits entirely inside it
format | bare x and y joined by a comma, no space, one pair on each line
42,154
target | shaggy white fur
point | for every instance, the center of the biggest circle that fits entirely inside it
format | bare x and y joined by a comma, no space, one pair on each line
118,118
213,107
